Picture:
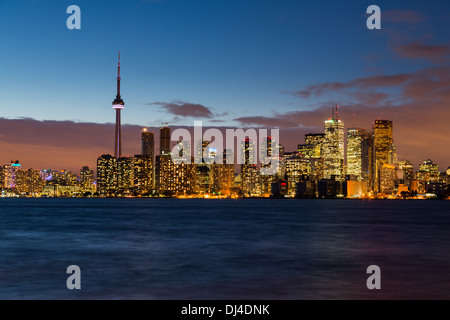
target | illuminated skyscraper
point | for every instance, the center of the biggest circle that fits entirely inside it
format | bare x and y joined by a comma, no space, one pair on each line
406,172
143,173
360,154
29,182
251,181
200,155
10,172
125,173
296,165
367,159
174,178
268,145
313,147
106,174
250,174
333,147
204,178
387,178
64,178
118,105
428,171
383,141
354,152
87,179
164,139
148,143
225,173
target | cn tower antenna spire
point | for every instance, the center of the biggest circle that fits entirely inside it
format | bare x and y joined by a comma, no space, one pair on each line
118,77
118,105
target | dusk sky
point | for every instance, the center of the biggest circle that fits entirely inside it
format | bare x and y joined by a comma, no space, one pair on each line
234,63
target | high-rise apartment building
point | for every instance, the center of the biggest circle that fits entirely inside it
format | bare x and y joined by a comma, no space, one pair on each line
172,179
148,143
106,174
87,179
143,174
125,174
164,139
10,173
29,182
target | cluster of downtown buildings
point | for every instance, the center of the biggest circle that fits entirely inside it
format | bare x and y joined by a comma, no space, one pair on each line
366,166
316,170
320,168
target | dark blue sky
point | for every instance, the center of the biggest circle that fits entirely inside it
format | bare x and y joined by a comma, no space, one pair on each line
237,58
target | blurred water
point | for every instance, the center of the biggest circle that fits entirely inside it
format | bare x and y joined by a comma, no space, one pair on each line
224,249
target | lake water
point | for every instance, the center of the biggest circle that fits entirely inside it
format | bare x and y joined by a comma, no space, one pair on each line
224,249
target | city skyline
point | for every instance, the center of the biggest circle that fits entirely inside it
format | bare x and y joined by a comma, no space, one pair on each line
316,170
134,142
400,73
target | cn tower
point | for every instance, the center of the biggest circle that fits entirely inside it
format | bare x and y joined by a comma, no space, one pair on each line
118,105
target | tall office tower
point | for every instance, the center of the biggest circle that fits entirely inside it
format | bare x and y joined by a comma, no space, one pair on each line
296,165
204,172
249,174
251,181
106,174
225,173
367,159
118,105
164,139
333,147
148,143
10,172
248,152
125,172
29,182
313,151
383,140
143,173
200,154
354,152
268,145
173,179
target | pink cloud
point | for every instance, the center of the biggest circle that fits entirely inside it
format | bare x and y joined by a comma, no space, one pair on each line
418,50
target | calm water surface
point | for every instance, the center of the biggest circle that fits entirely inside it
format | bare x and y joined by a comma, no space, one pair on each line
224,249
